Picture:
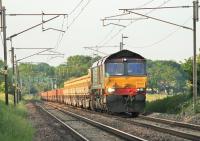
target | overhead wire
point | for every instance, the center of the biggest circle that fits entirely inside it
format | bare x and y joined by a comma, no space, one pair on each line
77,16
111,31
82,9
61,35
58,38
62,26
119,22
164,38
147,13
76,7
74,19
107,35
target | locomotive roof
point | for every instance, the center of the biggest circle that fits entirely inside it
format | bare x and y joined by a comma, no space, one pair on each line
119,54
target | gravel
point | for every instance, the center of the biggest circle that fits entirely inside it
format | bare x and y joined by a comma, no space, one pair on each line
193,119
46,129
142,132
87,130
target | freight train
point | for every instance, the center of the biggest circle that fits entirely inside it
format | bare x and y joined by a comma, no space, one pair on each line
116,83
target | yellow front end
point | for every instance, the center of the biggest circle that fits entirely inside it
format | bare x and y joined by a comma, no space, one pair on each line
126,93
125,85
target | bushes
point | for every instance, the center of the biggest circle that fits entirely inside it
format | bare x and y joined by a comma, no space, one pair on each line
172,105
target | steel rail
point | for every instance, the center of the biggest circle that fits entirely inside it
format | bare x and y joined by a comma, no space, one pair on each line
104,127
165,130
171,122
75,134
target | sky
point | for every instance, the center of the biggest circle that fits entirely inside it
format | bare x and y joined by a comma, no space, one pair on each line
84,28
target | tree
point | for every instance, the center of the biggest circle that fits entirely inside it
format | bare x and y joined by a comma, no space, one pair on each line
36,77
1,77
78,65
188,67
167,76
75,66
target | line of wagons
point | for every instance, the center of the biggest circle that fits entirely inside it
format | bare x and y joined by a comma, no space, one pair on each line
116,83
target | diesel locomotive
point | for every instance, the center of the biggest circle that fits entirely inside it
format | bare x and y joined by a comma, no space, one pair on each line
116,83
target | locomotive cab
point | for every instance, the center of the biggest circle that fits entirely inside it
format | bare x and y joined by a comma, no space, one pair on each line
119,80
126,76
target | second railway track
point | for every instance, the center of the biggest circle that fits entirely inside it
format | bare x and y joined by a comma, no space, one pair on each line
183,130
179,129
87,129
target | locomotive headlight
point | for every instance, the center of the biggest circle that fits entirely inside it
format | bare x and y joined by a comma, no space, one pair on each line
140,89
111,90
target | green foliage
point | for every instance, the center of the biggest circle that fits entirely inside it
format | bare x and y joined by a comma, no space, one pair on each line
163,76
187,67
13,123
75,66
1,77
43,77
2,86
172,105
166,76
36,78
78,65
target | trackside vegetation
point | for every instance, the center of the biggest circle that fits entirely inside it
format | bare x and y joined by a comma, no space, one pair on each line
14,125
176,104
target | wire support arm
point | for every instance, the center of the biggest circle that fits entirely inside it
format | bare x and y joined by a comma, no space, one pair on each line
160,20
113,24
96,50
149,8
123,19
51,54
33,48
111,46
117,15
33,55
53,29
36,14
14,35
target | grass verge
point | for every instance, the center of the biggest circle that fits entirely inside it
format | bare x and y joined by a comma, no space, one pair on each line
176,104
154,97
14,125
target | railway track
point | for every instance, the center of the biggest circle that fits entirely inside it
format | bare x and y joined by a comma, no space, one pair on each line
85,129
183,130
179,129
172,123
